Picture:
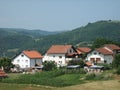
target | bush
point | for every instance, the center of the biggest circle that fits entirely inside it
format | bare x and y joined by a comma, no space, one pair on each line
106,66
116,62
49,65
118,70
90,76
94,76
5,62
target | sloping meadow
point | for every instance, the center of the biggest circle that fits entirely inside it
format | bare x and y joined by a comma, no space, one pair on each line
57,78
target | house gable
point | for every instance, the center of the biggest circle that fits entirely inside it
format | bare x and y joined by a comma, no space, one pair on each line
21,60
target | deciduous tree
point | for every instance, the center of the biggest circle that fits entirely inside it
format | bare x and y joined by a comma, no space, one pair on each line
5,62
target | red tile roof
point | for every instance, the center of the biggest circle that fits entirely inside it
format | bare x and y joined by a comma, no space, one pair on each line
83,50
59,49
112,46
32,54
2,73
88,63
104,51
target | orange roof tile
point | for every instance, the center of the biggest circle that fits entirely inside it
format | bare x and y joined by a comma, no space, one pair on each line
104,51
2,73
78,51
83,50
32,54
58,49
88,63
112,46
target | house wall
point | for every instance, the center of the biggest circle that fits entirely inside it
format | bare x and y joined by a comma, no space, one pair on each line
95,55
22,60
103,58
108,59
58,58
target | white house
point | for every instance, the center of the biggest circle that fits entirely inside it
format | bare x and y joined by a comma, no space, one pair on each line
28,59
104,54
100,55
60,54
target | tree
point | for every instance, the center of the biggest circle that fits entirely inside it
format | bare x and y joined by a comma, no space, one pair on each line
6,63
49,65
101,41
116,62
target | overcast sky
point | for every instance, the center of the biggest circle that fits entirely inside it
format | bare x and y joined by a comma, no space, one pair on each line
53,15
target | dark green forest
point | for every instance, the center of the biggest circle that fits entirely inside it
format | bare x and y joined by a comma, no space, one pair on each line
13,41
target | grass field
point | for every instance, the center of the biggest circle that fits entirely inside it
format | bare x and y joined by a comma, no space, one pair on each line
97,85
57,80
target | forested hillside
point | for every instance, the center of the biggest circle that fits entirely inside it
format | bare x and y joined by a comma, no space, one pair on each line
14,41
17,31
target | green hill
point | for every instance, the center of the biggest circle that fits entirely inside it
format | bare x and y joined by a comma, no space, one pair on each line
102,29
14,41
26,32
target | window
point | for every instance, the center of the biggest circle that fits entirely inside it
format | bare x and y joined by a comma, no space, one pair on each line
60,62
60,56
98,60
70,51
22,55
18,61
92,59
105,61
26,66
95,53
26,61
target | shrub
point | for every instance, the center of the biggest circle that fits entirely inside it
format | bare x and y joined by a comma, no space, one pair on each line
49,65
94,76
90,76
5,62
116,62
118,70
106,66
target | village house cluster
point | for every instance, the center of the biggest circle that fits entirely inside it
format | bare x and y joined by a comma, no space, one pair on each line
62,54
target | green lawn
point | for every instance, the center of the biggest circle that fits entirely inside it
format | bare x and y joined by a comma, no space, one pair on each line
97,85
7,86
57,78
